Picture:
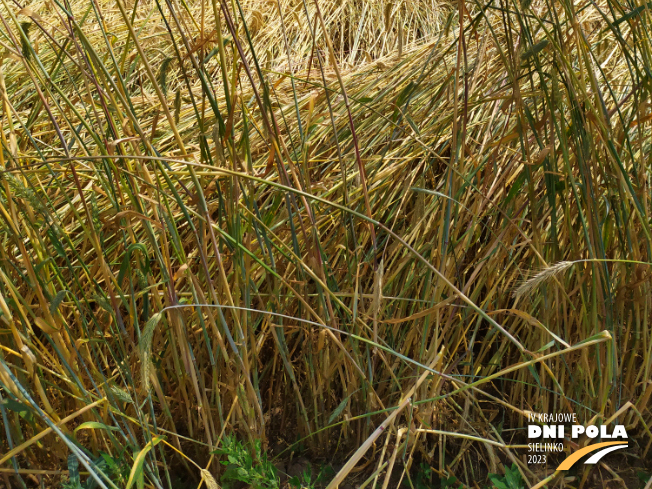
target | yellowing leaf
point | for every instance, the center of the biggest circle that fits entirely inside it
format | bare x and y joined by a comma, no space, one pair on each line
40,322
95,425
137,468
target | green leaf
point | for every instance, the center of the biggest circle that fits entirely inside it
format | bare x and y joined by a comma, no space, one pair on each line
25,40
497,481
127,256
163,75
339,409
54,305
73,471
412,124
537,48
402,97
516,186
449,482
546,346
534,374
15,406
512,480
631,15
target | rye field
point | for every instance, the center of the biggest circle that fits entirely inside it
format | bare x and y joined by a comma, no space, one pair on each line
279,244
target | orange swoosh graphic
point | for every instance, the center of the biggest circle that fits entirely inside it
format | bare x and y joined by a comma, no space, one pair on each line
568,463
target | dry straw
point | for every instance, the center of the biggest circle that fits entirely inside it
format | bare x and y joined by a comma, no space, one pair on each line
226,162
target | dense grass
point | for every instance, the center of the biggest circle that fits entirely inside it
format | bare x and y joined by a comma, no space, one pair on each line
385,231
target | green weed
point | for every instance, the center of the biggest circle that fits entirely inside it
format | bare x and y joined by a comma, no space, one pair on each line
511,480
307,481
248,465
